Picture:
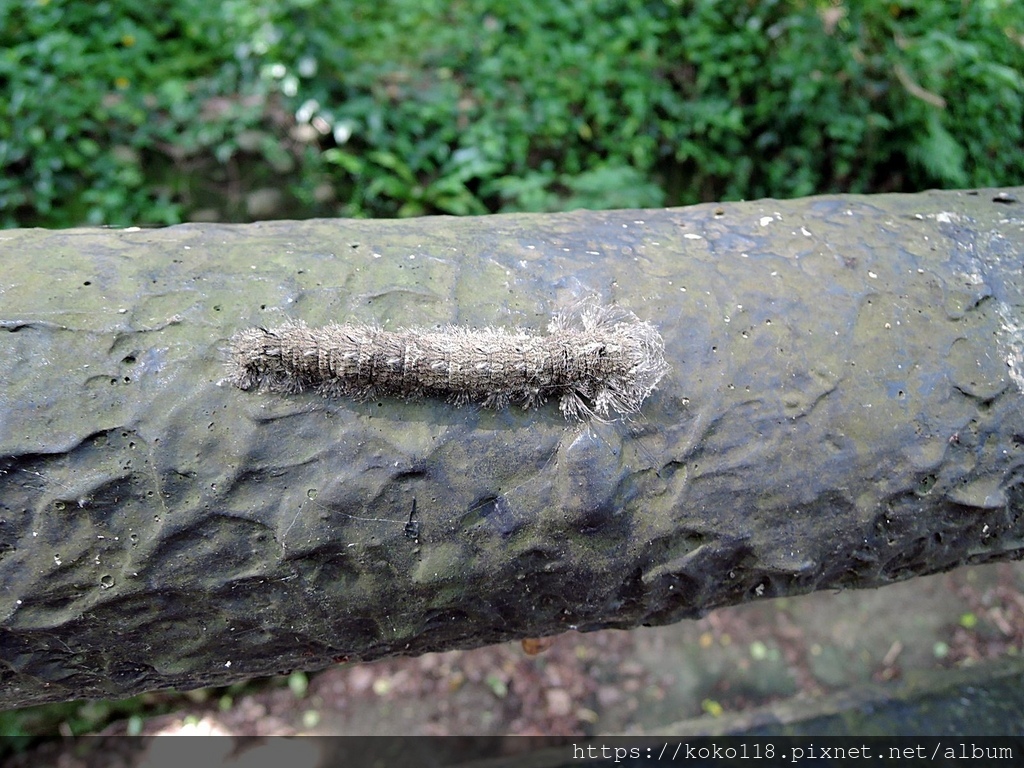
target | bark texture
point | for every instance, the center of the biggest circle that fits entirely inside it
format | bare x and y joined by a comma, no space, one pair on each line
844,409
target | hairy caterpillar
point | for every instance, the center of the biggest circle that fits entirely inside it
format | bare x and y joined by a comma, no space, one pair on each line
594,359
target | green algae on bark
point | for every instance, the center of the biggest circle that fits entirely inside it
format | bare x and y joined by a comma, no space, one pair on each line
844,409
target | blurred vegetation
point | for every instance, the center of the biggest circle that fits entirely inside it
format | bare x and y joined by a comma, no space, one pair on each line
21,729
119,113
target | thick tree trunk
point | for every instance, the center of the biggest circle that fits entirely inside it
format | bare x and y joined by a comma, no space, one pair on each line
844,409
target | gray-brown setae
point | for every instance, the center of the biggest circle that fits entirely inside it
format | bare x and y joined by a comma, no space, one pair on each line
595,359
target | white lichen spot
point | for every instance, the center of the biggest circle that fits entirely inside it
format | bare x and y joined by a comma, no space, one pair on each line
692,236
765,221
1012,337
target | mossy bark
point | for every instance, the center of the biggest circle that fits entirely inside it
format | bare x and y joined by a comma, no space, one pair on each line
844,409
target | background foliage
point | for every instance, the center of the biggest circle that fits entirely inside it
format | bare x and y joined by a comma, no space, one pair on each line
115,113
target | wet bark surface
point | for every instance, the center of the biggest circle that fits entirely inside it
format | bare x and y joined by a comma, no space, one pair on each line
844,409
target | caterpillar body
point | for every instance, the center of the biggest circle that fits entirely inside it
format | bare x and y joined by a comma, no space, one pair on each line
594,359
